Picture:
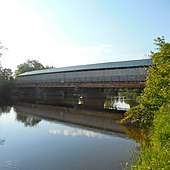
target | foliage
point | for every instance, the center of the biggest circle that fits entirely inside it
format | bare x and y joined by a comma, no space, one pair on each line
156,155
6,74
131,96
153,111
29,65
156,92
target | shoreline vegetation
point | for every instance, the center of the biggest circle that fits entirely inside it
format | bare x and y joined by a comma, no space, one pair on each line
153,113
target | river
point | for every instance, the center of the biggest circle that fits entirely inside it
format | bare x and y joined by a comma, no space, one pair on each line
43,137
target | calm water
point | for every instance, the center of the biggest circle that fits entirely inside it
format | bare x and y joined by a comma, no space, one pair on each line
39,137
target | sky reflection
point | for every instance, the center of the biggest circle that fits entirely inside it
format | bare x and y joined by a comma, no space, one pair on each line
76,132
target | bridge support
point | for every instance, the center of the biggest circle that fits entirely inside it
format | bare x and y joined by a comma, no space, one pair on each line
94,98
39,94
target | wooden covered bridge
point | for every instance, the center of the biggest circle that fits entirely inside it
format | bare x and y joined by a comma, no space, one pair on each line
122,74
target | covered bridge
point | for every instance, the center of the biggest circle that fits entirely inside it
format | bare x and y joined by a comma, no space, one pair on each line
133,71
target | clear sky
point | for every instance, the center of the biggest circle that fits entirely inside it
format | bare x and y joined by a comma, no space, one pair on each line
72,32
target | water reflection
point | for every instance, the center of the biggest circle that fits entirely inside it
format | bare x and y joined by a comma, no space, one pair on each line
2,141
5,109
76,132
10,164
116,103
80,100
91,123
65,138
140,135
105,122
113,99
28,120
48,135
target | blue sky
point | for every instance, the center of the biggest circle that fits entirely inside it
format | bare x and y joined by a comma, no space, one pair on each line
73,32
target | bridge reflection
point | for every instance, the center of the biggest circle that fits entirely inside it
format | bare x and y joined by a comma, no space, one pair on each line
90,121
100,121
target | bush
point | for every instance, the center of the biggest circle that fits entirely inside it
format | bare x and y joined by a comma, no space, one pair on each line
156,155
156,93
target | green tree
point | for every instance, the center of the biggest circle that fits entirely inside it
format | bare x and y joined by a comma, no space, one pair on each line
156,94
155,110
29,65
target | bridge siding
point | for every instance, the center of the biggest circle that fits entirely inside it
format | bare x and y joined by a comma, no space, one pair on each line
127,75
97,75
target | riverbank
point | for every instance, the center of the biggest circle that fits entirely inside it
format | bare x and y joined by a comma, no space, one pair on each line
155,154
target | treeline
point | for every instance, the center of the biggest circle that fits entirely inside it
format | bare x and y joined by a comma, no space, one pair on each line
7,77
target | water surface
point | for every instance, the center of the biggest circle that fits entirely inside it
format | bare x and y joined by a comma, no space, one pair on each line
38,137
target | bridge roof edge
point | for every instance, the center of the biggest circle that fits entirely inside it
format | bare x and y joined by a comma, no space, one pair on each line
108,65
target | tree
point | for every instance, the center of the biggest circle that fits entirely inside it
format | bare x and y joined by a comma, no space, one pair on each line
29,65
156,94
154,111
6,74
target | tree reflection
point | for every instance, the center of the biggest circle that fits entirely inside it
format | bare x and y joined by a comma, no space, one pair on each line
2,141
121,99
6,104
116,103
131,95
28,120
140,135
5,109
